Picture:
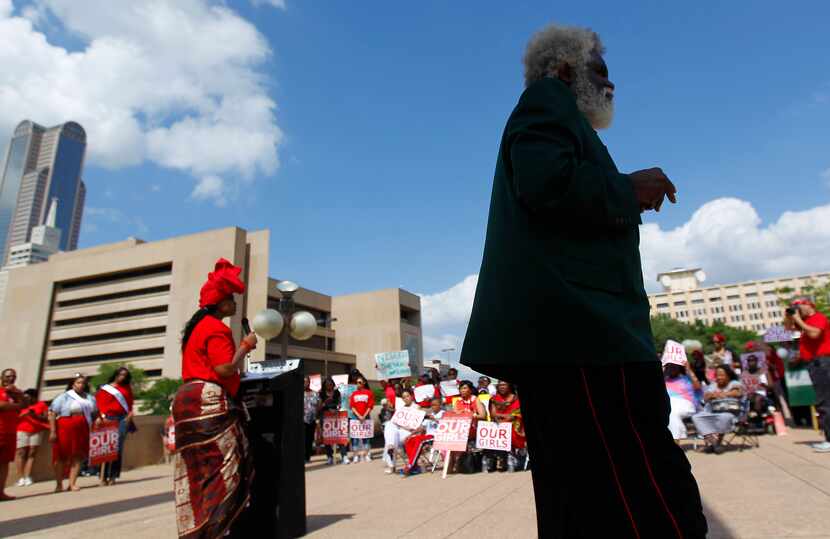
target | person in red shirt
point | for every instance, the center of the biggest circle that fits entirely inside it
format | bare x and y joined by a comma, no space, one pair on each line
33,420
814,349
11,402
208,417
361,403
115,404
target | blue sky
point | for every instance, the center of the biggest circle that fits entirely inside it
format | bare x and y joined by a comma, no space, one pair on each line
385,119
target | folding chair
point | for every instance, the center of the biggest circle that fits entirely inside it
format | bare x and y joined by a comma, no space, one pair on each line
742,430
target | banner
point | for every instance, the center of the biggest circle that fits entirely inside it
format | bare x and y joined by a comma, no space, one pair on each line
449,388
408,417
340,379
103,443
496,436
424,392
345,396
391,365
799,386
675,353
362,430
452,432
316,382
335,427
760,358
778,334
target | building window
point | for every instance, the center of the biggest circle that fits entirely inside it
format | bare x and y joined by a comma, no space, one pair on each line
751,294
679,303
662,305
697,301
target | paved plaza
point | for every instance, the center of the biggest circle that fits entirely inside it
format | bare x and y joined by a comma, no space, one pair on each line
780,490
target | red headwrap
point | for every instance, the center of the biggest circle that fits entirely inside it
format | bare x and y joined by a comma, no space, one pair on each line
717,337
221,284
750,346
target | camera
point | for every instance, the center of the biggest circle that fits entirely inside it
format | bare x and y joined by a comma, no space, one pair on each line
790,311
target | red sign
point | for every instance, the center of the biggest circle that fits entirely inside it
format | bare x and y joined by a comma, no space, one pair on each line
496,436
103,444
361,430
452,432
335,428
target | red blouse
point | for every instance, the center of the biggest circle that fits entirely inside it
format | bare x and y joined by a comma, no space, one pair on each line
210,344
109,405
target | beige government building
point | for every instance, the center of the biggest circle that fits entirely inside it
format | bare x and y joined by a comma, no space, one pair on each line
751,305
127,302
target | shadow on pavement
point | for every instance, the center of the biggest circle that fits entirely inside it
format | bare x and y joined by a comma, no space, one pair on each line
87,487
717,528
318,522
74,516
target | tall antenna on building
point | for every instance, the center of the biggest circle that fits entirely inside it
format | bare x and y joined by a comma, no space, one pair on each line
52,217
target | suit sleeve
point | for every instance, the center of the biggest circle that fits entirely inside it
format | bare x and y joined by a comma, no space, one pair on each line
549,176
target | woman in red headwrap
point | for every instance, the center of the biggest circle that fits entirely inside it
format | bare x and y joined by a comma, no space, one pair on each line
213,467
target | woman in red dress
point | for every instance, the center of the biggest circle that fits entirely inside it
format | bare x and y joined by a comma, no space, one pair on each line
505,408
71,416
115,403
213,464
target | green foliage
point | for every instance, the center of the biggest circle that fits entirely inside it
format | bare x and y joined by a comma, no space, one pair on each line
818,293
379,394
664,328
105,371
158,397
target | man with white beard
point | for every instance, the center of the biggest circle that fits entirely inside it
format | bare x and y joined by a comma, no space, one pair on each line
561,311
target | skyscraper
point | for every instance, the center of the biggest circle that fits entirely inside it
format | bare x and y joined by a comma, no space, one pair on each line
41,165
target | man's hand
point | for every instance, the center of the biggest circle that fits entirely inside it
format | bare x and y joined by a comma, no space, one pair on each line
651,186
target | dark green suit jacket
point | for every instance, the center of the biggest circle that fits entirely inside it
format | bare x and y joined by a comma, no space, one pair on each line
561,282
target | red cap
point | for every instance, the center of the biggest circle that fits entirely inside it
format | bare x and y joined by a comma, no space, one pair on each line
804,301
221,284
750,346
717,337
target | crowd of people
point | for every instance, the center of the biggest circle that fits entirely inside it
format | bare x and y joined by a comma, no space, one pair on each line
484,401
68,421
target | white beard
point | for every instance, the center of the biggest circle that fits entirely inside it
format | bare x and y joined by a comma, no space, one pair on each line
592,102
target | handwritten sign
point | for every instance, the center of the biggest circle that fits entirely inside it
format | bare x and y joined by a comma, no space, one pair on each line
335,428
424,392
760,357
392,365
778,334
452,432
340,379
316,382
103,444
361,430
674,353
449,388
496,436
408,417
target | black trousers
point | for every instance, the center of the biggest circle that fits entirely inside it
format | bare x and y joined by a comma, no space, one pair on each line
819,370
603,461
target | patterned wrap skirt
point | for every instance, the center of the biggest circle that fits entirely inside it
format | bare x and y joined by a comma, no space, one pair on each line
213,464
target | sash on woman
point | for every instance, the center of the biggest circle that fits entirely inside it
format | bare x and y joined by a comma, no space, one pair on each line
213,466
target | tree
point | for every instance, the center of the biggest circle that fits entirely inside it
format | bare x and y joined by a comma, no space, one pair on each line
105,371
158,397
818,293
664,328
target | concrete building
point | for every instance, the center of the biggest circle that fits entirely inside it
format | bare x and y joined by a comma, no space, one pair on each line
751,305
127,302
41,165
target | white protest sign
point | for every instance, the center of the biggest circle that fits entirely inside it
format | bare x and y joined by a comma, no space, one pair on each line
408,417
392,365
674,353
496,436
340,379
361,430
424,392
778,334
449,388
316,382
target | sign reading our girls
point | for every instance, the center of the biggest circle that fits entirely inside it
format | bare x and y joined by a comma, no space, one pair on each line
103,444
408,417
494,436
674,353
335,427
361,430
452,432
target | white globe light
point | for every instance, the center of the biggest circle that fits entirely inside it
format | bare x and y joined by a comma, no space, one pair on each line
782,353
268,324
287,286
691,345
303,325
665,280
700,275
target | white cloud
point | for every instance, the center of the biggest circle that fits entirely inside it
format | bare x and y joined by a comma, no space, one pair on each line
273,3
725,236
179,84
211,188
93,216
